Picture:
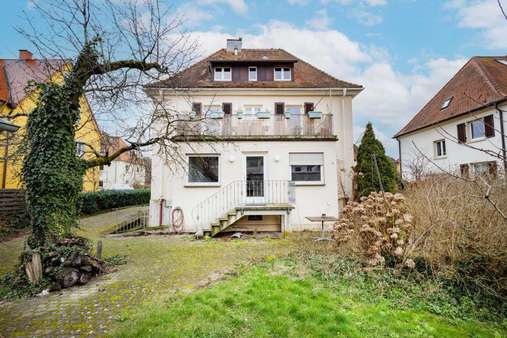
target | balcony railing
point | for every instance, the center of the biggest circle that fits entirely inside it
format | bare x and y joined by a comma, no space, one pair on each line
265,125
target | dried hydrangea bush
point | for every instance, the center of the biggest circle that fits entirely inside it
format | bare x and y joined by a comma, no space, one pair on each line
379,227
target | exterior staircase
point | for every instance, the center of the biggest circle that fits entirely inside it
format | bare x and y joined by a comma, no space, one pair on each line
238,199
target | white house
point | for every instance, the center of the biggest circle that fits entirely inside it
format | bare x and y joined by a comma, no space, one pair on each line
271,144
462,128
125,172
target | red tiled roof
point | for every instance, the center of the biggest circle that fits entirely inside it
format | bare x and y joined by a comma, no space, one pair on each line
114,143
305,75
15,75
481,82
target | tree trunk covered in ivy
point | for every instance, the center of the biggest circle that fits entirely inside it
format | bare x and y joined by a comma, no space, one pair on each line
52,172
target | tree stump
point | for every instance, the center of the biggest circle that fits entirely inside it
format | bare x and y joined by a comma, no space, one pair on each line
34,269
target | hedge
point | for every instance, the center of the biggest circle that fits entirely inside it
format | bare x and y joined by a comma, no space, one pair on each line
92,202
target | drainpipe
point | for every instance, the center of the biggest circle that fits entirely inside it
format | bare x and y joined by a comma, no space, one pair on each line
161,212
502,133
399,158
6,157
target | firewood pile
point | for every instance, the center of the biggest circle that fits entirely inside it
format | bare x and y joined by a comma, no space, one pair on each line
64,264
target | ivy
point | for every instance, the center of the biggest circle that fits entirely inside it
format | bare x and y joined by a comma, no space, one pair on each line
52,172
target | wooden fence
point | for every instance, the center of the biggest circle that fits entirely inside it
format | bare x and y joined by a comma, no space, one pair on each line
12,204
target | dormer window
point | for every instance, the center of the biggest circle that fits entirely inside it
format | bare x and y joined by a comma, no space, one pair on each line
446,103
252,73
223,74
282,74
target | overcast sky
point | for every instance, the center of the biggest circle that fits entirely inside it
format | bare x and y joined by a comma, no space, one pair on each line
402,51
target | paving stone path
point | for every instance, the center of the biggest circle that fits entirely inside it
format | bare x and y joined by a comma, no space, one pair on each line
157,268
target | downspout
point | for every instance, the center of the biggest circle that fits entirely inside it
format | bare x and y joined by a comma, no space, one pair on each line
161,212
6,157
502,133
399,158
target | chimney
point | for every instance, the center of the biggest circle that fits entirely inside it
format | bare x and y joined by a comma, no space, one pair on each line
234,45
25,54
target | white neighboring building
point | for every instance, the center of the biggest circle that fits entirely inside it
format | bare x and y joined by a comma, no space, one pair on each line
462,129
125,172
280,151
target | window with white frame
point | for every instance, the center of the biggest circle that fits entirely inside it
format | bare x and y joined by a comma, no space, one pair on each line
80,149
223,74
293,109
252,73
477,129
212,109
306,168
203,169
252,109
439,148
282,74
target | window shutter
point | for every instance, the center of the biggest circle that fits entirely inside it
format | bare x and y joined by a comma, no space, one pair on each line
279,108
197,108
489,126
227,108
306,158
462,133
308,107
464,170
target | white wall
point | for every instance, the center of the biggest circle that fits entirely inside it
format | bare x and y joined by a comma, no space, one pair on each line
168,182
456,153
122,175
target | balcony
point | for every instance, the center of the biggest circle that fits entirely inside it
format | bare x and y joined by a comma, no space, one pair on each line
257,126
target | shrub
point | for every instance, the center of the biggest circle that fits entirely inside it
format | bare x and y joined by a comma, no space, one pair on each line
461,236
92,202
380,226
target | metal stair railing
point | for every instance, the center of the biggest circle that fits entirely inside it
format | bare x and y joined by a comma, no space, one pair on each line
240,193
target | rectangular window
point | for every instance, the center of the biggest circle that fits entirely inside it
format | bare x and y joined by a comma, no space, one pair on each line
252,73
213,109
293,109
477,129
223,74
203,169
484,168
306,168
227,108
282,74
255,217
252,109
439,148
197,108
80,149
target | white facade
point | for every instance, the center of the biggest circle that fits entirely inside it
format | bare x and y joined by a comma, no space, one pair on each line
121,175
170,187
432,160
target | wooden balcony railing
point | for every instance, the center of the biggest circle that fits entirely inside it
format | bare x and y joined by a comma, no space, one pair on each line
253,126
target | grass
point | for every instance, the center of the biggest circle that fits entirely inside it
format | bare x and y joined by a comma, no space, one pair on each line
289,298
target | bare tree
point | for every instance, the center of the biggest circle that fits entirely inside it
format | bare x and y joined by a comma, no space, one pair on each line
107,52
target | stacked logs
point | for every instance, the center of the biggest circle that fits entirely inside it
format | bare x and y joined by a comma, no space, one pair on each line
66,263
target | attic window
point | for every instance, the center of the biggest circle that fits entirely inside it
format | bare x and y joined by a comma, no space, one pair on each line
503,62
446,103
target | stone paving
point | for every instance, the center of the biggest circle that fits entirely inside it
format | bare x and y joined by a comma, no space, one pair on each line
157,268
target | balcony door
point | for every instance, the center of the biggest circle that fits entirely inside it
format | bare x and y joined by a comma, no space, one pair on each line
254,179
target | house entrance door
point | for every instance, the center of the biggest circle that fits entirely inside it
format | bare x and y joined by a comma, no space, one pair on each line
255,179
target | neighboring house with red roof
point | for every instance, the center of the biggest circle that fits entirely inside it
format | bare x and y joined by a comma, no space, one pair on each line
278,150
18,99
125,172
462,129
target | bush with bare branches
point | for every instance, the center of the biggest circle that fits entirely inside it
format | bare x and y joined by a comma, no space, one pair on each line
459,234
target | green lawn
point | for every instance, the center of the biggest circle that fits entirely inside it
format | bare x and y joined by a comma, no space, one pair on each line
271,301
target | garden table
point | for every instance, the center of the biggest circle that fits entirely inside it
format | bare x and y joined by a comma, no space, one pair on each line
322,219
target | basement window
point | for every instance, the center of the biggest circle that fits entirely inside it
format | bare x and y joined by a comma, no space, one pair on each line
255,217
446,103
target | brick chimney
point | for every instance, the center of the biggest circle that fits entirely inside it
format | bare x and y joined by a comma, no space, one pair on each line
25,54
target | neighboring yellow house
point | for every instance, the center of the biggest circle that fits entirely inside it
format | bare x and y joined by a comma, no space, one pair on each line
14,99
